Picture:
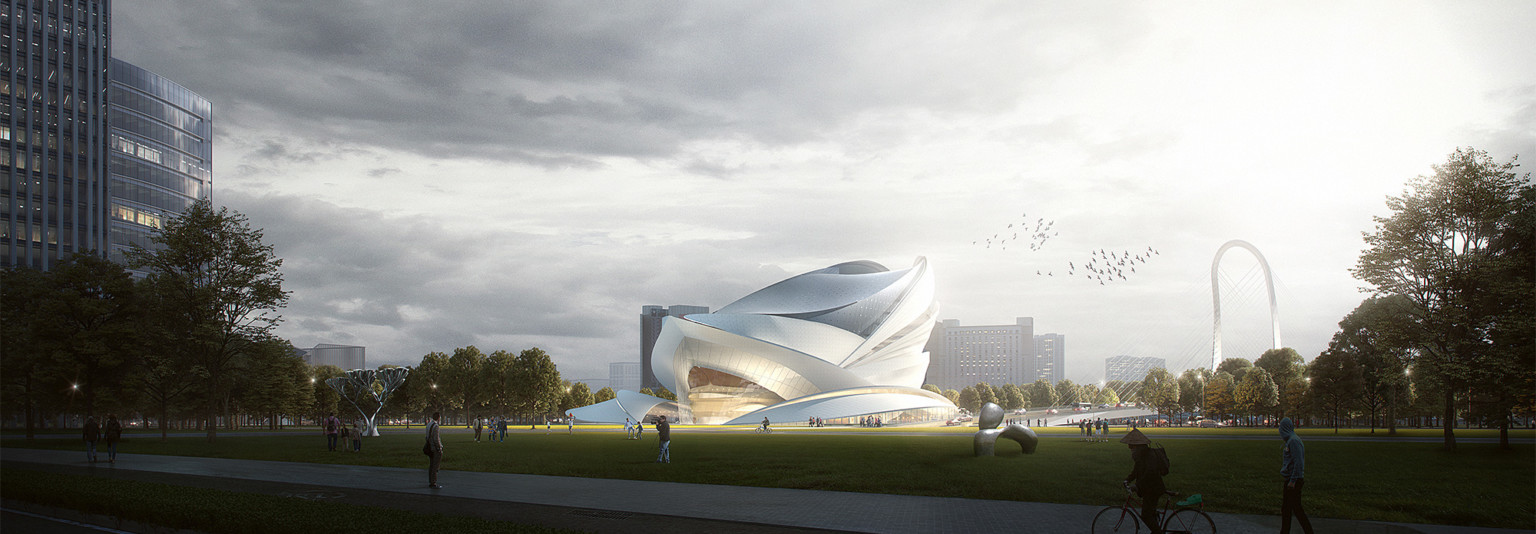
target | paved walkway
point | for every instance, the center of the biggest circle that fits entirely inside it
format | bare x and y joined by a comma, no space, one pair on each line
759,508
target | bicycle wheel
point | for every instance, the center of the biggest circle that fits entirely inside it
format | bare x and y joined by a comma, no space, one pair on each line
1189,520
1116,521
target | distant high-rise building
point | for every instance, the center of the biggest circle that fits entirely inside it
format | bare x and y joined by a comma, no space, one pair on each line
1050,358
347,357
961,356
624,375
1131,368
651,317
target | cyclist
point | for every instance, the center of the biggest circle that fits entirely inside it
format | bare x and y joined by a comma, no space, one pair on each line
1147,481
765,425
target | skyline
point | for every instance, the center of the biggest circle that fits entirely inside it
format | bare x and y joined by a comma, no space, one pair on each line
535,176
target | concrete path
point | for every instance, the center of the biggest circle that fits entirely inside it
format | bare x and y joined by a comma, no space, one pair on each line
750,506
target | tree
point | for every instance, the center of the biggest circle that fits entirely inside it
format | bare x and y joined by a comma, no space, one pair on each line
326,400
1377,336
667,394
1067,392
462,380
985,394
277,382
1256,394
1285,368
933,388
222,288
1237,367
1160,390
970,399
1124,391
25,364
422,389
537,383
581,395
1107,395
1335,383
953,396
497,375
604,395
1012,398
1191,386
1220,394
1447,235
91,310
1043,394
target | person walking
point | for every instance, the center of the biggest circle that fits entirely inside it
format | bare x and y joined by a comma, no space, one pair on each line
477,429
1146,477
114,432
434,450
1293,461
665,431
570,424
332,427
357,439
629,429
91,433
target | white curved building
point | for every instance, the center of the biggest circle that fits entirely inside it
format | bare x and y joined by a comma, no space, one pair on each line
836,343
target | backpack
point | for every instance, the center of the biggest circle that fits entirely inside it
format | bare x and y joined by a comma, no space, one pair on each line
330,424
1160,459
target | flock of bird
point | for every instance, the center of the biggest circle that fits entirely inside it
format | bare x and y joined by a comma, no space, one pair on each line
1109,266
1021,230
1103,266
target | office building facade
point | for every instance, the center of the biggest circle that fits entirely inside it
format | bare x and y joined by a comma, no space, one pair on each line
624,375
96,152
1050,358
1131,368
53,98
651,317
995,354
159,157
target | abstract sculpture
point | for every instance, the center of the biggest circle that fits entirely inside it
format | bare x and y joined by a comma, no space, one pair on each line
986,438
370,387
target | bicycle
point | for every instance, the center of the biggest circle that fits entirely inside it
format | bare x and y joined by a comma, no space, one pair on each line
763,430
1188,517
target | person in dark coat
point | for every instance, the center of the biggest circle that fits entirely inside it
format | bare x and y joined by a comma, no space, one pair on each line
113,433
1293,461
434,449
1145,476
91,433
665,431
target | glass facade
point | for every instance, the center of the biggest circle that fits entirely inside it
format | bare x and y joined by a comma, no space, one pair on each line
159,153
54,59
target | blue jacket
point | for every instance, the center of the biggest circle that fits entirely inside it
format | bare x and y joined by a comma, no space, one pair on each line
1293,457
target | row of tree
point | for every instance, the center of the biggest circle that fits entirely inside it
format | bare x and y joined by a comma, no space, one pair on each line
191,338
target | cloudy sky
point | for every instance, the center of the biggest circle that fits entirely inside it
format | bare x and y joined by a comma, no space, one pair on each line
520,174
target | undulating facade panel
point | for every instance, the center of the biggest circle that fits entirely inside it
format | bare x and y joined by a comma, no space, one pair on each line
836,343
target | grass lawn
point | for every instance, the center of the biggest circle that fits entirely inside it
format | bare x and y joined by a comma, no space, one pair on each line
1406,482
209,510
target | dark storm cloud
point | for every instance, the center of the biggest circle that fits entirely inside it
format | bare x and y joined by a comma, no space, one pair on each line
558,84
404,286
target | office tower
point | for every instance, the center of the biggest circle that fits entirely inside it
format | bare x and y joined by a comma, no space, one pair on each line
1131,368
53,57
651,317
160,154
624,376
1050,357
97,152
995,354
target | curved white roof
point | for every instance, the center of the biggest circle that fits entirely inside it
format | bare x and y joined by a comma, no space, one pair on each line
626,404
842,341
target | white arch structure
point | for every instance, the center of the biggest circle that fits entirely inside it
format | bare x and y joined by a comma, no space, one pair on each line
1269,284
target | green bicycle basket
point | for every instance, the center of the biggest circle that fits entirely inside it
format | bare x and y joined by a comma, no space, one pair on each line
1191,500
